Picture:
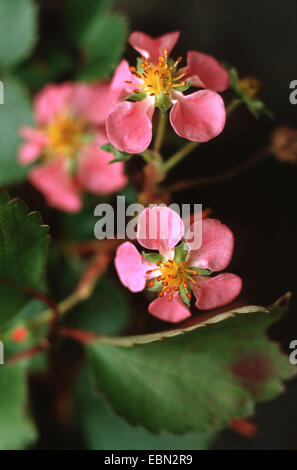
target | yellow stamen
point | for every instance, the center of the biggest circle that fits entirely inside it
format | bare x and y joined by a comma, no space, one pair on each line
173,275
159,78
65,135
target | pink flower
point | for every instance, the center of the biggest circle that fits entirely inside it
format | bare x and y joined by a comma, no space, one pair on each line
70,128
180,269
198,117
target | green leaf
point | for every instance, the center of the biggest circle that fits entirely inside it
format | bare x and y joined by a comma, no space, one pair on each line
130,194
23,243
104,430
183,295
80,225
196,381
52,68
16,429
14,113
180,253
103,43
120,156
79,17
107,311
18,30
153,257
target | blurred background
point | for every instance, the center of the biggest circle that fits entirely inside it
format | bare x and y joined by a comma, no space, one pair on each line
259,38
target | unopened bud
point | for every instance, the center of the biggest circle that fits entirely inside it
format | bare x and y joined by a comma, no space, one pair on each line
284,144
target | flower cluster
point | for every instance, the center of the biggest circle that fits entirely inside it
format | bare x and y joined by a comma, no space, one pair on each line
180,269
74,121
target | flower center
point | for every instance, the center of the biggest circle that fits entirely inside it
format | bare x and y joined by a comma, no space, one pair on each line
173,275
250,86
158,78
65,135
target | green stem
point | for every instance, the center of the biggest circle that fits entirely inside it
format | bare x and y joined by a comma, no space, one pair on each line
160,132
233,105
179,155
63,307
148,156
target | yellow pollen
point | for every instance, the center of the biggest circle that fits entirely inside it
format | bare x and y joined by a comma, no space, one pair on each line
159,78
65,135
172,276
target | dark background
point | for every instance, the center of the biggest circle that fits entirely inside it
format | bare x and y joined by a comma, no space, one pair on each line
259,37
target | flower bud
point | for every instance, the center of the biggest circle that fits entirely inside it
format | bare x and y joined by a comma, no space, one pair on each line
284,144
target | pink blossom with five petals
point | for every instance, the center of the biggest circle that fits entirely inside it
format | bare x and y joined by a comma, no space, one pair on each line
198,117
173,277
70,128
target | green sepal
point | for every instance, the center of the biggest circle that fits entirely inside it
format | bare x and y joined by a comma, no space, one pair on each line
184,88
201,271
120,156
183,295
157,286
163,102
153,257
136,97
234,82
258,108
180,253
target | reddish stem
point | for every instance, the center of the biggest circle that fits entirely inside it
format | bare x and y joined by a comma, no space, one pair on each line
83,337
27,353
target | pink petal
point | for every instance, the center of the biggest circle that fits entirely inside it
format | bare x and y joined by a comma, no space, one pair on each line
121,75
159,228
216,291
153,47
92,102
52,100
217,246
205,71
33,135
129,125
55,183
172,311
95,173
30,151
130,268
198,117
